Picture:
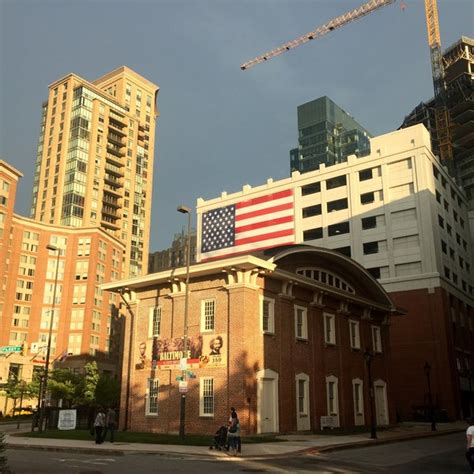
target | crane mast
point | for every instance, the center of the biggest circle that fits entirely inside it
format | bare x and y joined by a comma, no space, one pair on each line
331,25
442,119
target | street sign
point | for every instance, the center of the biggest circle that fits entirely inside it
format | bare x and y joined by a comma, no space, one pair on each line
183,386
4,349
183,363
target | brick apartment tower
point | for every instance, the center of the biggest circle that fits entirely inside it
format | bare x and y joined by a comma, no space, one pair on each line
94,165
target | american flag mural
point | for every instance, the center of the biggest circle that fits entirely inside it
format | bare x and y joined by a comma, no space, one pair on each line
246,226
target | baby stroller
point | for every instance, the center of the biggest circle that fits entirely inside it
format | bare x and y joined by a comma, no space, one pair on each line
220,439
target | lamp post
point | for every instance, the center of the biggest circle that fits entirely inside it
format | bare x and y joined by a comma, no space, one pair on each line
368,356
182,406
427,369
44,385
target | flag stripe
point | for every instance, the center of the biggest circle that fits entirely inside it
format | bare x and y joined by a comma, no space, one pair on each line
252,247
263,231
258,225
274,215
262,199
262,212
258,238
264,205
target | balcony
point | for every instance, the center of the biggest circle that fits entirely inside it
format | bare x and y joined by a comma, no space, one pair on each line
115,160
115,139
116,128
114,150
114,170
114,190
112,180
108,223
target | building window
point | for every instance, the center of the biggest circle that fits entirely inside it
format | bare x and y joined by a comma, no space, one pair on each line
371,247
313,234
332,396
339,229
369,222
152,397
302,394
206,396
344,250
312,211
312,188
329,328
336,182
367,198
364,175
301,322
154,324
337,205
267,307
358,396
208,308
376,340
354,334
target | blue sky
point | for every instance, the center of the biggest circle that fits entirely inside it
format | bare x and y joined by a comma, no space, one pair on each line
220,128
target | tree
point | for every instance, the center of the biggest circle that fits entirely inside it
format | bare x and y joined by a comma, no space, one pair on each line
91,379
107,391
64,384
3,458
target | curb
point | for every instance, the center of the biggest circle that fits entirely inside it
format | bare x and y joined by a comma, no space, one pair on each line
312,450
378,442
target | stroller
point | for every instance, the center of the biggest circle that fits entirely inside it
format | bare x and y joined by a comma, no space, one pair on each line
220,439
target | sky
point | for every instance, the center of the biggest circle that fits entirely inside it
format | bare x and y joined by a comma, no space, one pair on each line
219,127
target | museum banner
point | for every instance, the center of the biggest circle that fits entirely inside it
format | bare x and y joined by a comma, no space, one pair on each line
208,350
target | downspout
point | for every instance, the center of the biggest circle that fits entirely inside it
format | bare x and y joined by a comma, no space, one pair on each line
129,368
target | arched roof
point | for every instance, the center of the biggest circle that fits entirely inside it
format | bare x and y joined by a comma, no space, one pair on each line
334,261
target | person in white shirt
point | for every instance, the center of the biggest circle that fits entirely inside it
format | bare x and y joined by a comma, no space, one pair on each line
470,444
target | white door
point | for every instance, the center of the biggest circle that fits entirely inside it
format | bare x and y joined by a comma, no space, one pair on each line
268,420
381,404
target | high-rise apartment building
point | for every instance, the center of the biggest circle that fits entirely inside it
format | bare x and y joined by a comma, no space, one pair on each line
398,213
459,76
94,164
57,288
326,135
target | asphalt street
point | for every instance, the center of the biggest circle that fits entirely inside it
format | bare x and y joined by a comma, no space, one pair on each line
444,454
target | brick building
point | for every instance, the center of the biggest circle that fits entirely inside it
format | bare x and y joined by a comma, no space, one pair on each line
401,215
83,325
280,335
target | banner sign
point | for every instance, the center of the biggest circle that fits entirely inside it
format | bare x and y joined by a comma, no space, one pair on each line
67,419
208,350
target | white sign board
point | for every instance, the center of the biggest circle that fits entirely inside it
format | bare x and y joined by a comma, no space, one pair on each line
183,386
183,363
67,419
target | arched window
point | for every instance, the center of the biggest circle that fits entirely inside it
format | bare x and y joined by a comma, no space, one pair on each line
325,277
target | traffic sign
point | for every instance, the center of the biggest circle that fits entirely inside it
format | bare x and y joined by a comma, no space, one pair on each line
10,349
183,386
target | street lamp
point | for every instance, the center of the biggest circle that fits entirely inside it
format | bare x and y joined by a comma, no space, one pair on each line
182,406
427,369
368,356
44,385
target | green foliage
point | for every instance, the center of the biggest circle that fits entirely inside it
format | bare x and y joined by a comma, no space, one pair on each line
3,458
91,379
107,391
66,385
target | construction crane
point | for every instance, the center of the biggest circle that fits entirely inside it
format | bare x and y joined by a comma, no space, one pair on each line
331,25
434,41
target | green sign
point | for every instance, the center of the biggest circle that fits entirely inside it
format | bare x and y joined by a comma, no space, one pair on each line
10,349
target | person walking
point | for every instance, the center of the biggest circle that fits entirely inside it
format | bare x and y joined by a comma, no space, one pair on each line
99,425
110,423
233,414
470,444
233,433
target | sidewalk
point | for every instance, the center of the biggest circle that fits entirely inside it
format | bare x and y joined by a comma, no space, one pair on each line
310,443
